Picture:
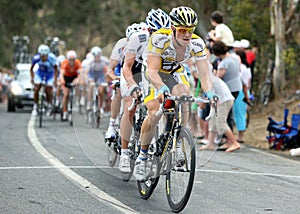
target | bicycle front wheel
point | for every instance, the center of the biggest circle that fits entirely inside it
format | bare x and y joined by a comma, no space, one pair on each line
147,187
181,171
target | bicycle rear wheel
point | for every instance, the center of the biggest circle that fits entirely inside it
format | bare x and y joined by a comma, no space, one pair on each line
181,171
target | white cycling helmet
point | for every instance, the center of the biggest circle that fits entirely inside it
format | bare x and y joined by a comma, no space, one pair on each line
60,59
43,49
71,54
183,16
132,29
96,51
89,55
157,19
143,26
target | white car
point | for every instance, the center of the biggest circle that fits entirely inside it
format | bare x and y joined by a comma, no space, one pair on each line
20,92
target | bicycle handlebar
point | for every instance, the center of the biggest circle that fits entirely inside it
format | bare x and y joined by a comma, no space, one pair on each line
134,102
115,84
183,98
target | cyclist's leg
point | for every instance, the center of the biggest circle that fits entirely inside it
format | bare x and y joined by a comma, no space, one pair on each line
37,86
125,132
115,110
147,133
66,92
91,84
101,92
82,87
49,87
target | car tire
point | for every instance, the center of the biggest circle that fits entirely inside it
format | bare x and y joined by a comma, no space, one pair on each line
11,105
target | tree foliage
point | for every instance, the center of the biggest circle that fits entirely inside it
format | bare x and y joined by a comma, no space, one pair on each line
85,23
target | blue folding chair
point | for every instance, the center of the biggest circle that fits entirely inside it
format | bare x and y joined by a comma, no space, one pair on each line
290,137
278,127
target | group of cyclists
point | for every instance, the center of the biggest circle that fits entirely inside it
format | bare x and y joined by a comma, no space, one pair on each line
150,62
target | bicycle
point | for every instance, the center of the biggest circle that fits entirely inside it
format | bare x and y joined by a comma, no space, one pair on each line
171,154
114,145
56,101
267,87
94,114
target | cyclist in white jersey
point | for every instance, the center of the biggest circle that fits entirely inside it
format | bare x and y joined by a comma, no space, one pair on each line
96,71
156,19
83,78
167,50
114,68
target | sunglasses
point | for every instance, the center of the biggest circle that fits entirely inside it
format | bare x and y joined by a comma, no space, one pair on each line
185,30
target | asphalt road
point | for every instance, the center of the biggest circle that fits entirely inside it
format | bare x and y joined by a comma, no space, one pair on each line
63,169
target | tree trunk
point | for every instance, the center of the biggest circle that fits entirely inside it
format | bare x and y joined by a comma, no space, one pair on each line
279,79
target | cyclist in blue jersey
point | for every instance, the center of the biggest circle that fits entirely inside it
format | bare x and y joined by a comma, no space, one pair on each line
46,71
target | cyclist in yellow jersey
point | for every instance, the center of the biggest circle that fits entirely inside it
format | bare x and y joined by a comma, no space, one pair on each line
167,50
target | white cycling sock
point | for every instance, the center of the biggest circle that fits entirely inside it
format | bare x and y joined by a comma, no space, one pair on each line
124,152
112,122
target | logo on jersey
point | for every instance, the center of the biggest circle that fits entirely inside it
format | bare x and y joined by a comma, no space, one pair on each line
159,39
170,53
198,44
143,38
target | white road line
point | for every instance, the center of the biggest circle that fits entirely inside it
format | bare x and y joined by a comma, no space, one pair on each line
71,175
55,167
248,173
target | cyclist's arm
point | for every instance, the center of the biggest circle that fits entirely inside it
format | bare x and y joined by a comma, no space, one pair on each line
203,74
31,72
111,66
128,63
153,66
55,73
62,73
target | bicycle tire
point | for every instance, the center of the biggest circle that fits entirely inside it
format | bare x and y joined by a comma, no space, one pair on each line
70,115
173,173
111,153
54,107
127,175
41,110
147,187
265,93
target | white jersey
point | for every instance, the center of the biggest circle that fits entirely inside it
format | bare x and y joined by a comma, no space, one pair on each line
118,50
136,44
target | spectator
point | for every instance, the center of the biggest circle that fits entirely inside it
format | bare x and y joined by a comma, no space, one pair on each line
218,125
221,32
240,105
229,72
250,55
